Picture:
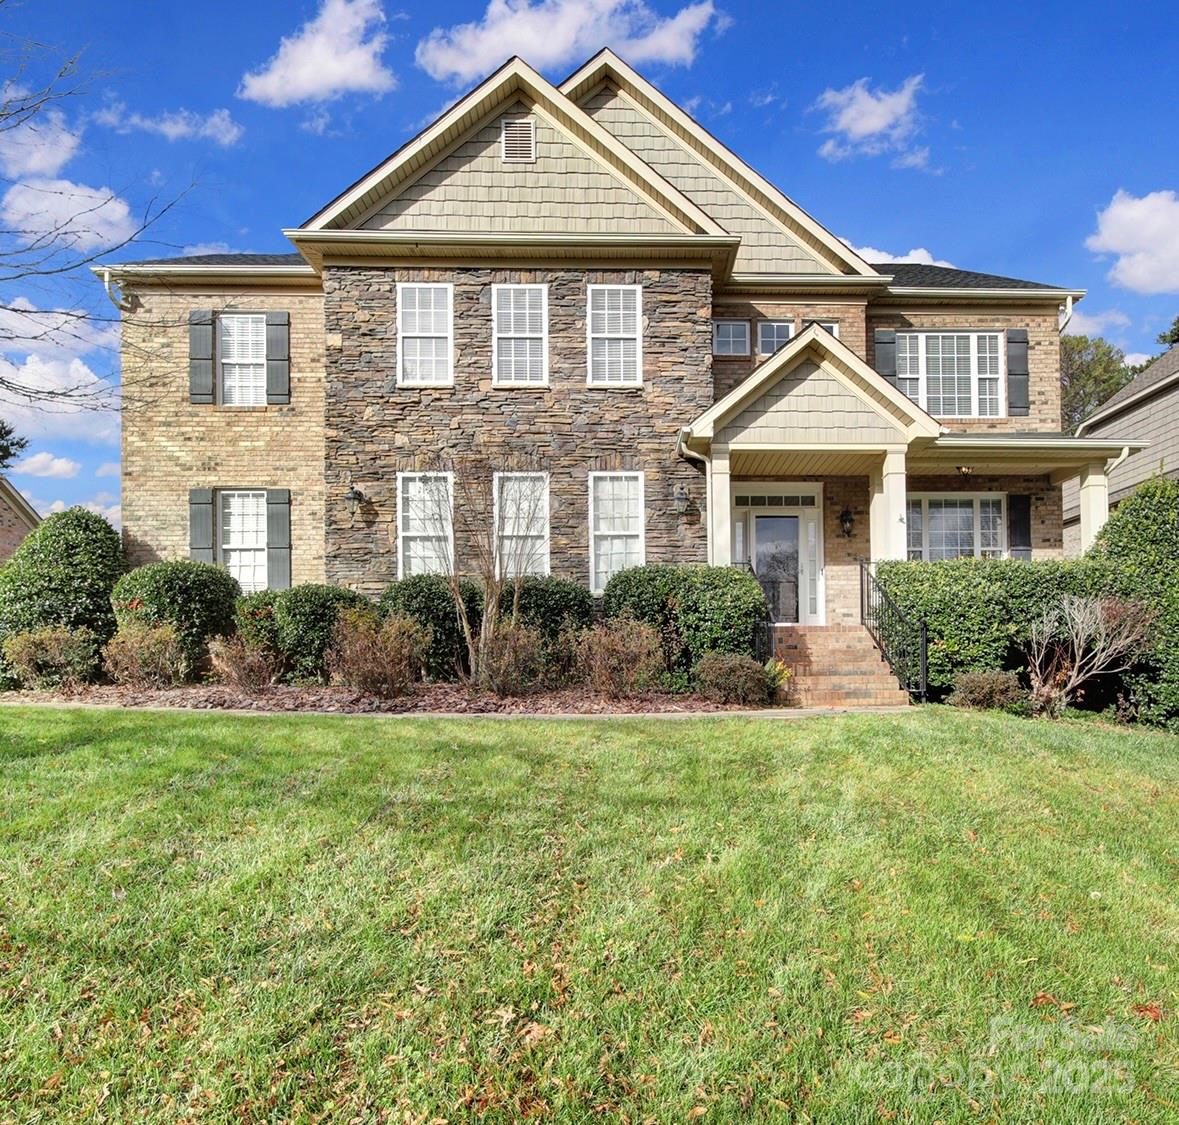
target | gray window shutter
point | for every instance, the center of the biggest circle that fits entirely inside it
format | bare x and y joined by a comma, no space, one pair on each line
200,525
278,538
1017,372
278,358
1019,527
886,353
200,356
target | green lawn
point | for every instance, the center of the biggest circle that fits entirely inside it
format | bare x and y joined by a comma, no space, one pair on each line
941,915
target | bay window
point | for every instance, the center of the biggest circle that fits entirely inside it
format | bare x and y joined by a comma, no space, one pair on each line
425,528
952,374
616,525
955,526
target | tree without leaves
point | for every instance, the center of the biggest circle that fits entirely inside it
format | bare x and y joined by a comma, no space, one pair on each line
1091,369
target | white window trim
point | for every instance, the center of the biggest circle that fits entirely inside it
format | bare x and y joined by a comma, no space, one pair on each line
974,496
496,381
219,547
220,361
974,334
832,326
544,557
449,287
594,589
717,322
401,533
773,320
589,338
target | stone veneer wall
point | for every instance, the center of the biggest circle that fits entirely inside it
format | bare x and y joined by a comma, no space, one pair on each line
170,445
375,428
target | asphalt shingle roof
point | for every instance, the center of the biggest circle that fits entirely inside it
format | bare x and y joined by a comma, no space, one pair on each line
1166,365
918,275
227,260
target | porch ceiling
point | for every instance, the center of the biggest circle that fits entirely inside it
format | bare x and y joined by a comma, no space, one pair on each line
1056,456
802,462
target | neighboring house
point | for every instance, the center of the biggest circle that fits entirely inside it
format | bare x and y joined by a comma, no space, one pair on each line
1146,410
17,519
583,276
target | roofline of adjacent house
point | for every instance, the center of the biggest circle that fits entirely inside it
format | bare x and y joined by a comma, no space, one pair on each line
22,506
147,269
1104,414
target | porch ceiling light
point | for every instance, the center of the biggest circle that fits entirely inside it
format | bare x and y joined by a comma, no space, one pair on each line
965,470
847,523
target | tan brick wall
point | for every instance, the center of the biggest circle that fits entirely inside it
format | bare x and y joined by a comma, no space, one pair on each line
13,528
1043,358
728,371
170,445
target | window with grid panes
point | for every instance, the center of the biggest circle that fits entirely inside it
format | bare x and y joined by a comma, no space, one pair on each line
424,523
241,346
242,537
616,525
522,523
952,374
614,335
520,335
424,350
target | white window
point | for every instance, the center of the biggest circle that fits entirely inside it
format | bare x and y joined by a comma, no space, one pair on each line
831,326
522,523
242,537
955,526
730,337
425,528
241,346
773,334
425,335
952,374
518,140
520,336
616,525
614,335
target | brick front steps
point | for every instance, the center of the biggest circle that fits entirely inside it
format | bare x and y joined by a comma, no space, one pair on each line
836,666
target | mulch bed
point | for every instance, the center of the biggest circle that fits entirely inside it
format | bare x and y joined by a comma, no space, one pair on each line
456,698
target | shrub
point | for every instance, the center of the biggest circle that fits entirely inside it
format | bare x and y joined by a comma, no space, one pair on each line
989,691
62,574
195,598
779,674
514,659
146,656
980,611
253,619
428,600
53,657
732,677
621,658
305,618
651,594
242,664
549,605
382,658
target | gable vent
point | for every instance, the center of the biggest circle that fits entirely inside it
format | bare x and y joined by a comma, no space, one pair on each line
518,138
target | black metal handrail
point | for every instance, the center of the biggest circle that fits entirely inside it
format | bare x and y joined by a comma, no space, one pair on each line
902,641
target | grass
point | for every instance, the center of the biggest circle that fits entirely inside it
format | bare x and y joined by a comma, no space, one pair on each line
938,915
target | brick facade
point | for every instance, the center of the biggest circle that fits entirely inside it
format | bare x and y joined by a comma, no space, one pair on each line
171,445
14,526
375,428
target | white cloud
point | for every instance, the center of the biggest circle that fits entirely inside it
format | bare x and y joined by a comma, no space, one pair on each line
85,413
918,254
109,469
1136,359
72,216
336,53
1144,234
316,122
1097,323
104,504
196,248
45,464
551,33
865,122
180,124
54,333
41,145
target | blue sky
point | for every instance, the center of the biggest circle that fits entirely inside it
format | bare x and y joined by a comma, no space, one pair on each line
1035,140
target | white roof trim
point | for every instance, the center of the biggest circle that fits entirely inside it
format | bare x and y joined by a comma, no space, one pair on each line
18,503
1025,443
1105,413
141,269
811,340
740,175
988,294
517,77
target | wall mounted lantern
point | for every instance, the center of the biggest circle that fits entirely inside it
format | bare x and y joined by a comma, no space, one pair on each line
680,499
352,497
847,523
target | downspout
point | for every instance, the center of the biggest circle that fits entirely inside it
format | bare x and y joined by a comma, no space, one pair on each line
116,298
681,447
1068,314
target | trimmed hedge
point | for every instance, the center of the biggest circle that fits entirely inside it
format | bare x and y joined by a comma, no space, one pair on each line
695,609
253,619
62,574
550,605
195,598
304,620
979,611
427,599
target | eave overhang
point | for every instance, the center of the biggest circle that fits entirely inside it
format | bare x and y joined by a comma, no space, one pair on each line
1056,456
909,294
175,275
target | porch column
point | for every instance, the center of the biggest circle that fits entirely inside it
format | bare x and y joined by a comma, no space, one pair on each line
720,507
1094,502
886,507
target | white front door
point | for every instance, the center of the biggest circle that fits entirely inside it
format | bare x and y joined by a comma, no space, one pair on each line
777,532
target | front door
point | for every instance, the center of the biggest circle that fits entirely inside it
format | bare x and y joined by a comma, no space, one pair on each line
777,533
776,564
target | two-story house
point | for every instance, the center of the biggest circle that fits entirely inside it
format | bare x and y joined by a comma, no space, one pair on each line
583,277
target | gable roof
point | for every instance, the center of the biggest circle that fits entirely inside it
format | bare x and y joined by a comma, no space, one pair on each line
607,66
17,502
816,343
1157,377
513,80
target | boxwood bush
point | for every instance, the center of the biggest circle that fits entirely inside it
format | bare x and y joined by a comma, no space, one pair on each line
550,605
253,620
427,599
195,598
304,620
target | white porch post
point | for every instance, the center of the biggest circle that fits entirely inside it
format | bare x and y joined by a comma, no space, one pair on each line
886,508
720,508
1094,502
